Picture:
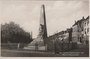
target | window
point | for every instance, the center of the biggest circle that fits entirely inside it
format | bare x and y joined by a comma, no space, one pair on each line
82,29
87,30
85,23
80,40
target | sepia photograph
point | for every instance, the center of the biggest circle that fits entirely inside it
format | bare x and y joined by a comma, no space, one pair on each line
44,28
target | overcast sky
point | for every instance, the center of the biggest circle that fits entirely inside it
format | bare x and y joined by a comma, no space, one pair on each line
60,15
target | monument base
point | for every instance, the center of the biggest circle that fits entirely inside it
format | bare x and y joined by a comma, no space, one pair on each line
36,44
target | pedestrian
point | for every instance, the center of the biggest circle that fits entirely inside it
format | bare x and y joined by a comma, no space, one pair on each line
36,46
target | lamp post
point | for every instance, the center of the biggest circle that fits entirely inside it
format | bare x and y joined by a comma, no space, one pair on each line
62,42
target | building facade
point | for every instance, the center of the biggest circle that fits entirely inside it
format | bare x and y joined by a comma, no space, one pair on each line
80,33
85,30
75,33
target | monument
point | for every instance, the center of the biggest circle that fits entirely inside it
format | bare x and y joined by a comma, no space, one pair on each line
39,43
42,29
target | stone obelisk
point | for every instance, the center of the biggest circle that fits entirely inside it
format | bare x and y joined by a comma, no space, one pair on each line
41,39
42,29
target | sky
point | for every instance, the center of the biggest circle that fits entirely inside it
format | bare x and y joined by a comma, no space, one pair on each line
60,15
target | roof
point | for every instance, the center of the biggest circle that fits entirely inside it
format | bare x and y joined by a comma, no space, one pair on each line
79,21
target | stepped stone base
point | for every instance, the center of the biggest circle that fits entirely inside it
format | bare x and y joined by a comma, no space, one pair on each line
33,46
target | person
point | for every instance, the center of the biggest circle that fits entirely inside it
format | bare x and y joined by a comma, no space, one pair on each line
36,46
56,46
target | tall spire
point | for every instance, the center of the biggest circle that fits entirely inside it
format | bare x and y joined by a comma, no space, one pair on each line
43,29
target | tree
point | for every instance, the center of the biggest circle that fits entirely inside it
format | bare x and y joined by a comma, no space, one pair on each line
12,35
